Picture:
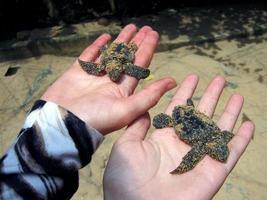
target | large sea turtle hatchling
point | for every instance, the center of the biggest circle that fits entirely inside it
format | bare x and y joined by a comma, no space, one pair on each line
116,59
197,130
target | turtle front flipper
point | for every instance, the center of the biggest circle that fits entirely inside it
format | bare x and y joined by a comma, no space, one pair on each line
137,72
91,68
191,159
162,120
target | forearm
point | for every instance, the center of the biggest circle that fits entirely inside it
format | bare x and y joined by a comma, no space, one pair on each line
44,161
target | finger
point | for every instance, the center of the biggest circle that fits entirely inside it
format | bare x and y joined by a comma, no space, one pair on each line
231,112
208,102
92,52
139,37
126,33
141,102
143,57
239,143
184,92
137,130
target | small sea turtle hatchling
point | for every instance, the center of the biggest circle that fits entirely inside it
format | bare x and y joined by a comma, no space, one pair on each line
197,130
116,59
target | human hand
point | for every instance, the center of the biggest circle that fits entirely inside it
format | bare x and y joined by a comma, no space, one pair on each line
105,105
140,168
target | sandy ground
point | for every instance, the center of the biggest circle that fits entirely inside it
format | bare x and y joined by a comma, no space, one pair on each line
242,62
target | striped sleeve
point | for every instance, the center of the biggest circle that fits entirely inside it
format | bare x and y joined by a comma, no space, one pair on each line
43,162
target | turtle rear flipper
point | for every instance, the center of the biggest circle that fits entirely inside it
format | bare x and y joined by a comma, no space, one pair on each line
218,150
132,48
227,136
191,159
219,153
137,72
189,102
115,74
91,68
162,120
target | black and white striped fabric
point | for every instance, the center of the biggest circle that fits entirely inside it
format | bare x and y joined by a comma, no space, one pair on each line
43,162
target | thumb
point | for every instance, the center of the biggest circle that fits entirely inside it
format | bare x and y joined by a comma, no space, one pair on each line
137,130
141,102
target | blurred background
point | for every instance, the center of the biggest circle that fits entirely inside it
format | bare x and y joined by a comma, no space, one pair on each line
17,15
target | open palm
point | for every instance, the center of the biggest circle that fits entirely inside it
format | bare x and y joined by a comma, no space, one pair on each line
139,167
105,105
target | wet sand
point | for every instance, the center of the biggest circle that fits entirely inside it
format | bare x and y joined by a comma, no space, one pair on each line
243,62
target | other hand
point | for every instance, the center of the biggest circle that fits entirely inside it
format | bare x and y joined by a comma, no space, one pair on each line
139,167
